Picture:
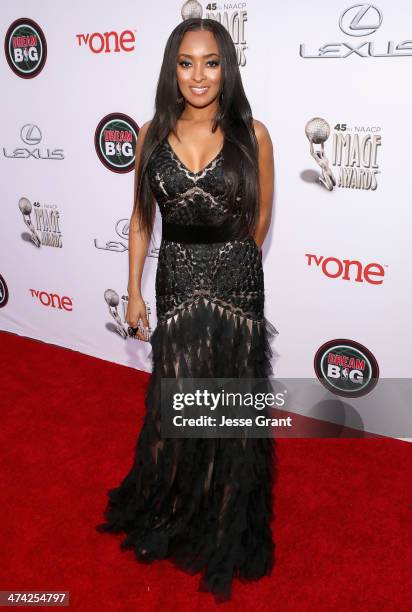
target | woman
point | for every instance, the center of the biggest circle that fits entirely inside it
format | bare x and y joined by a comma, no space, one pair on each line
204,503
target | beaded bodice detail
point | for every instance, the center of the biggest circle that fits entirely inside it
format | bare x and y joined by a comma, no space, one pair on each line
186,197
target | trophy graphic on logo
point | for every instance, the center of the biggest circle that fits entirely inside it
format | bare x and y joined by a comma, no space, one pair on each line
317,131
26,208
191,9
112,299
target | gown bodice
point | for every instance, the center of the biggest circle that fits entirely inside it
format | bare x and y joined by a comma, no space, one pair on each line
228,271
185,197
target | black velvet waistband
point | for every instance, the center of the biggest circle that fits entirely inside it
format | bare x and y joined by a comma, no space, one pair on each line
198,233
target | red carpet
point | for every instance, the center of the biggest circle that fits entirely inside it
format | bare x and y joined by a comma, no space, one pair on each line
343,525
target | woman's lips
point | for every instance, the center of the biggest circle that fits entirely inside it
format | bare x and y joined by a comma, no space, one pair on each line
199,91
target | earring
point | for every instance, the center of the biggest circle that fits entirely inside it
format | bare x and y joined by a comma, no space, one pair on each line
179,100
221,97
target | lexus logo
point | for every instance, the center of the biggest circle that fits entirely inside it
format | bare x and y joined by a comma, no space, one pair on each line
360,20
30,134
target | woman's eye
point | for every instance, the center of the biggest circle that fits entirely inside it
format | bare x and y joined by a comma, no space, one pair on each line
185,63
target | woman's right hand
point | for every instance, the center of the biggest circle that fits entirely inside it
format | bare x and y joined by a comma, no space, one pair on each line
137,315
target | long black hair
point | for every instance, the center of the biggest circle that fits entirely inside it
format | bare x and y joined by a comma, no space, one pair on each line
234,116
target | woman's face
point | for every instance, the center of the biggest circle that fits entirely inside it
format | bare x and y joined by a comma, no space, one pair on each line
198,68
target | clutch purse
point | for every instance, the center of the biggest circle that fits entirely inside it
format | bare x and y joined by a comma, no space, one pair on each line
146,333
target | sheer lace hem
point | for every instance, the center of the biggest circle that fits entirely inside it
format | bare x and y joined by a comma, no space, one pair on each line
206,504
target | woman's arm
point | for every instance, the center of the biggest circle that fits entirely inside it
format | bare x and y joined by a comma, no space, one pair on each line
138,241
266,182
138,245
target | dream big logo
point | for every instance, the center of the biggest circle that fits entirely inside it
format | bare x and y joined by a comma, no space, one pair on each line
115,142
25,48
4,292
346,368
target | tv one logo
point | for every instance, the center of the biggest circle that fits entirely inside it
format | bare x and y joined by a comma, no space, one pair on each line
108,41
52,300
348,269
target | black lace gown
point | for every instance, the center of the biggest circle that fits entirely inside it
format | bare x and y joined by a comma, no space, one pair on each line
207,504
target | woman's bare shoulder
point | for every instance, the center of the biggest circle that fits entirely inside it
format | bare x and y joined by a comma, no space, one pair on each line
143,129
140,141
261,131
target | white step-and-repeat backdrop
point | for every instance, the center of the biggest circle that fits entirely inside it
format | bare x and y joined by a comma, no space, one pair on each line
330,80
